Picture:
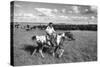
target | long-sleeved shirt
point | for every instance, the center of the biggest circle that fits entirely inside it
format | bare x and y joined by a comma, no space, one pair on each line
50,30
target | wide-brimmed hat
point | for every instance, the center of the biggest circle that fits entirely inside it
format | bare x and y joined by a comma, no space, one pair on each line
50,23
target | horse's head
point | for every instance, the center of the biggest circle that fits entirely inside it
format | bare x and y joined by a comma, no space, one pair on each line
69,35
62,35
34,38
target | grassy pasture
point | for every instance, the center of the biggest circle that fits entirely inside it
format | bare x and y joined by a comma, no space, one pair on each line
83,49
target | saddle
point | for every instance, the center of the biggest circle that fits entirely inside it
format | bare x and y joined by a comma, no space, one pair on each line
52,40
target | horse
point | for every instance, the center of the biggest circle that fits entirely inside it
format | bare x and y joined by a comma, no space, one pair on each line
41,42
60,38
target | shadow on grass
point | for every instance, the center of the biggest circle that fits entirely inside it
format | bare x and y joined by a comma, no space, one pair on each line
30,48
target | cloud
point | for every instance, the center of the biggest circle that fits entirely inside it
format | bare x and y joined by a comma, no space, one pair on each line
75,9
70,11
47,11
28,15
44,10
55,10
79,17
63,17
25,15
53,13
86,10
63,10
41,14
93,8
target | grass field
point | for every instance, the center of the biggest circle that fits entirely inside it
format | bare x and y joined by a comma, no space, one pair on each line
83,49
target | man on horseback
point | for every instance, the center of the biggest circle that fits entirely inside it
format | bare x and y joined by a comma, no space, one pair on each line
51,34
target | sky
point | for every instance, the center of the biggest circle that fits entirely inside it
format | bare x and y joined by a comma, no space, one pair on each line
37,12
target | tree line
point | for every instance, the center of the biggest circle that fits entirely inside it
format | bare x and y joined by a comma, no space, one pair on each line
89,27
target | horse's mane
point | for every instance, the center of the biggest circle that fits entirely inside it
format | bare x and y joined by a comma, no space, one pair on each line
59,33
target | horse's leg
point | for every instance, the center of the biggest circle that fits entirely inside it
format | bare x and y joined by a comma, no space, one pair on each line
48,42
40,50
61,53
54,51
41,53
53,54
34,51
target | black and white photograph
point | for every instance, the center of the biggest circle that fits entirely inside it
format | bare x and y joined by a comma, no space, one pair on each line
52,33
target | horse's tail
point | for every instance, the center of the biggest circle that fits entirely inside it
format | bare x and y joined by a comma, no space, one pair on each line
34,38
